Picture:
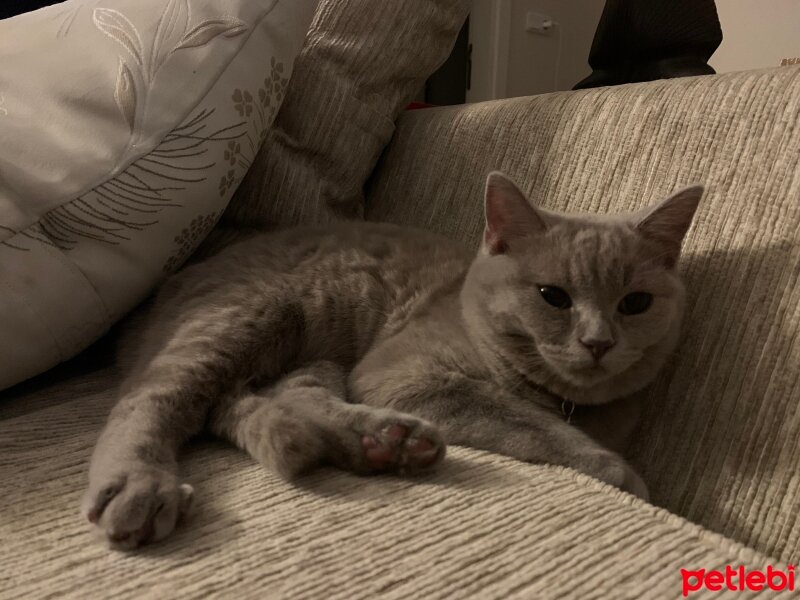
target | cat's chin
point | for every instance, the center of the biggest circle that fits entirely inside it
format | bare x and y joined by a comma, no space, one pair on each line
590,384
587,377
588,374
581,375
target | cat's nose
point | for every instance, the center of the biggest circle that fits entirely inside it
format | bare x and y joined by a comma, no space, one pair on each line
598,348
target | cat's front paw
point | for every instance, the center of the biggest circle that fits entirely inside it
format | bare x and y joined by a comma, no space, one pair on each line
403,446
614,470
380,440
137,505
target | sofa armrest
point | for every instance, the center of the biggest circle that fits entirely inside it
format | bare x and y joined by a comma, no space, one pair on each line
720,431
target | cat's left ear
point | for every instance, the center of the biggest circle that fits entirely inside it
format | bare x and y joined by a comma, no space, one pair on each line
509,215
668,221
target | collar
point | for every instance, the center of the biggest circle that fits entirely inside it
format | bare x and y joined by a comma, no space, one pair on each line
567,407
506,366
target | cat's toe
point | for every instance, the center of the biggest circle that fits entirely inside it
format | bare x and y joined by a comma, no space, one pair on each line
614,470
96,501
137,508
405,447
635,485
424,452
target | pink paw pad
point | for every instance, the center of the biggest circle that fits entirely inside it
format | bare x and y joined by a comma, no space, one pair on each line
393,449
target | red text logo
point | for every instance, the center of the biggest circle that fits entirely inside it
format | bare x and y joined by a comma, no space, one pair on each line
738,580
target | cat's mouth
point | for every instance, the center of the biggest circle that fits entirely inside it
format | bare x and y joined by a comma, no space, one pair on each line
590,375
582,373
563,364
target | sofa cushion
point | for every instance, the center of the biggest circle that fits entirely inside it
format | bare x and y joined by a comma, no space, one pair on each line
125,131
482,526
719,440
362,62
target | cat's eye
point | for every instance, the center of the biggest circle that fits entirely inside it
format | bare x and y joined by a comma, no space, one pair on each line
555,296
635,303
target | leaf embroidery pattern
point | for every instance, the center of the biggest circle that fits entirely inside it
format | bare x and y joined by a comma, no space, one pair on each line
67,18
34,233
232,152
189,238
227,182
270,95
211,28
239,155
117,26
172,25
125,93
173,33
242,102
133,200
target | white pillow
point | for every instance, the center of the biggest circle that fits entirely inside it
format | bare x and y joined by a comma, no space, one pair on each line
125,126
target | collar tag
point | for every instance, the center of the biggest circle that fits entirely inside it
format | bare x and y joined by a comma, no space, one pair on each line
567,408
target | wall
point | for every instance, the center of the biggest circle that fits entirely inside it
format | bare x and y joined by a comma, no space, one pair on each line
509,61
756,34
535,66
485,54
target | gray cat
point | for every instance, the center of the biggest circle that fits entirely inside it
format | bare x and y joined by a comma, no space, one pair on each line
366,346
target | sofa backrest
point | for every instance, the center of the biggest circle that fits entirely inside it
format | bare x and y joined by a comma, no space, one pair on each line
720,438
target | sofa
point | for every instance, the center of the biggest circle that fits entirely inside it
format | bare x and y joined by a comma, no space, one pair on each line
718,443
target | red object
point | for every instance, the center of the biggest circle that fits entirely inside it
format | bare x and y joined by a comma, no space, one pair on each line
418,105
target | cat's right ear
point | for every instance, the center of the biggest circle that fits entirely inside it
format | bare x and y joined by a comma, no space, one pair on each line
667,222
509,215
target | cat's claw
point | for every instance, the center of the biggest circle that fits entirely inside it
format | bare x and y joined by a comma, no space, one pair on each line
403,448
138,507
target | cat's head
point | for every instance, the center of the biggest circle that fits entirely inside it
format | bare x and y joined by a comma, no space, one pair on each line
588,306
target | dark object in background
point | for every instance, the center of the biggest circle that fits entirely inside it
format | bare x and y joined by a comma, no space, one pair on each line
10,8
450,82
643,40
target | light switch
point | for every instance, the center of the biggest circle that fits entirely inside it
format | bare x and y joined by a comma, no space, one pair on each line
538,23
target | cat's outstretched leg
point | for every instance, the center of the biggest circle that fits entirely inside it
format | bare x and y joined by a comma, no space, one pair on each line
478,414
303,420
190,357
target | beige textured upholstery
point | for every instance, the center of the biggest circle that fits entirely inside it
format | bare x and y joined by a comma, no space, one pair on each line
362,61
719,444
484,526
